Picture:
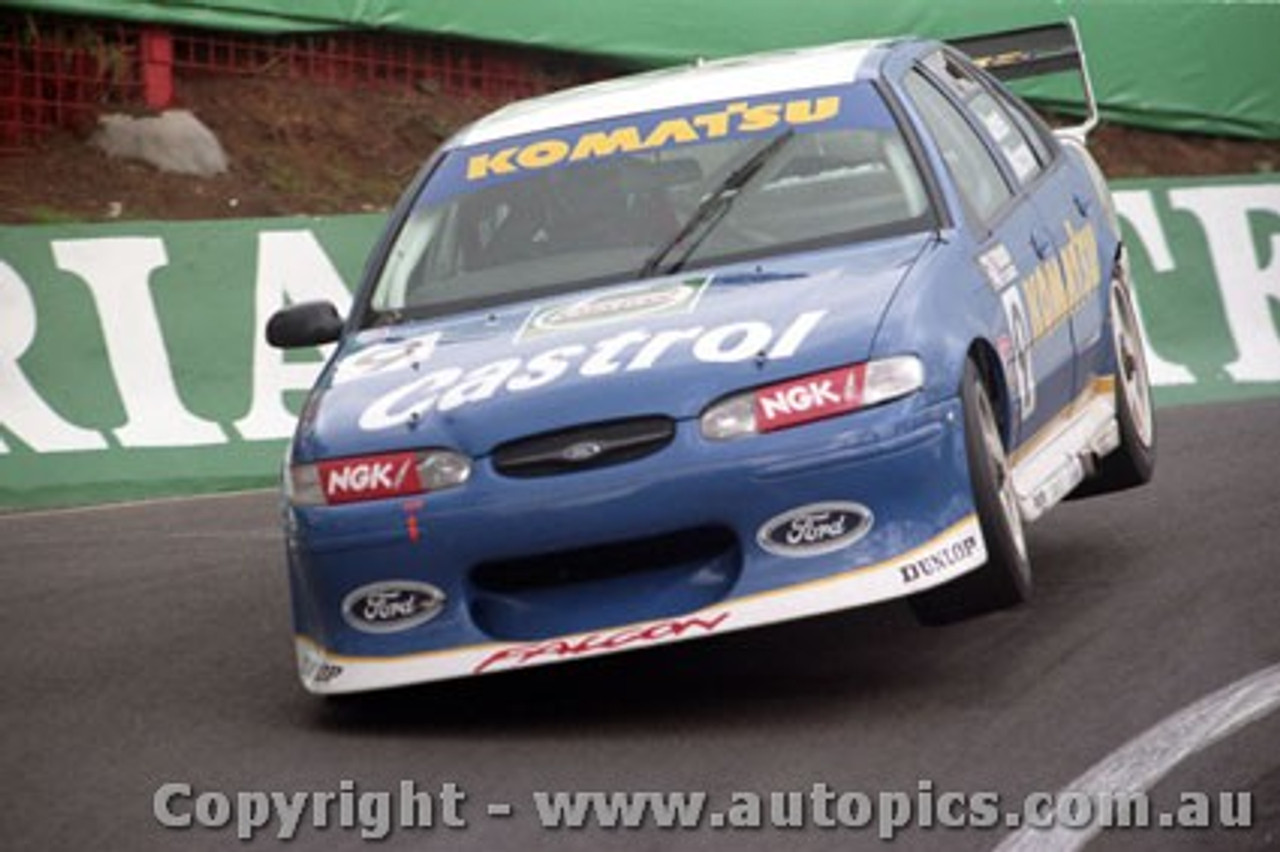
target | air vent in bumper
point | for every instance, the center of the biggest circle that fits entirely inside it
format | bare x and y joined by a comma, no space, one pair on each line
624,582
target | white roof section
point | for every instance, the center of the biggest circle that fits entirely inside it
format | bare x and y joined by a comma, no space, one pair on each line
722,79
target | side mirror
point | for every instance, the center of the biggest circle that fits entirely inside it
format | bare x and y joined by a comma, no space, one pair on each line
304,324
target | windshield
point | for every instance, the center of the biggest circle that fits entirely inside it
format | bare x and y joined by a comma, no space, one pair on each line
576,207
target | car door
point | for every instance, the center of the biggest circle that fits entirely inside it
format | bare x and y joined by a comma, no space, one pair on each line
1071,209
1012,243
1065,201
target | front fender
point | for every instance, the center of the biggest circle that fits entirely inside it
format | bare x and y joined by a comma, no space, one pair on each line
940,312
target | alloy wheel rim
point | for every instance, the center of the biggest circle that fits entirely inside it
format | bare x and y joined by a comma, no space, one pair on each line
1003,476
1132,368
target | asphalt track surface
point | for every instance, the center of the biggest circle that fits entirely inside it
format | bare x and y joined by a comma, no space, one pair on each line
149,644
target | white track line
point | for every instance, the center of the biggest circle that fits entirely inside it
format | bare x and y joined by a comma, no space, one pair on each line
1147,758
24,514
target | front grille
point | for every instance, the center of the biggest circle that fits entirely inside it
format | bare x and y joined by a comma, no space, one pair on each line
584,447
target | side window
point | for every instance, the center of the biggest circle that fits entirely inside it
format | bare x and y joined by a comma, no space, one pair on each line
968,159
999,124
1036,132
952,75
1025,156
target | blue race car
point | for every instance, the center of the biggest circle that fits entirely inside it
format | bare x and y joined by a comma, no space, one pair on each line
698,350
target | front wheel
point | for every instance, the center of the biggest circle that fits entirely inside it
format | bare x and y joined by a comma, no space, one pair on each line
1005,579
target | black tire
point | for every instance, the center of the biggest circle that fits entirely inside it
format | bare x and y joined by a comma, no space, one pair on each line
1005,579
1134,462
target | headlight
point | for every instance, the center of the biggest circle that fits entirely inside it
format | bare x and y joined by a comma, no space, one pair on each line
816,396
359,478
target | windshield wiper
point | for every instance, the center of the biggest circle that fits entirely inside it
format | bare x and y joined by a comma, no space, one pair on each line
712,207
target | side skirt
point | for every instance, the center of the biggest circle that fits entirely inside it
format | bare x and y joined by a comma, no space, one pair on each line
1048,466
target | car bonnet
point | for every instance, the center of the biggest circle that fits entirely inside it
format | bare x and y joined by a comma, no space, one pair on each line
665,346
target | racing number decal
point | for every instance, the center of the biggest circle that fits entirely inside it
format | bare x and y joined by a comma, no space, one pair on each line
1024,379
1037,304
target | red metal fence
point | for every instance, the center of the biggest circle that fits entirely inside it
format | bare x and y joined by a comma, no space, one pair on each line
61,75
59,72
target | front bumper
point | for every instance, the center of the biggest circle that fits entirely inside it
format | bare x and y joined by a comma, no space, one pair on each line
676,534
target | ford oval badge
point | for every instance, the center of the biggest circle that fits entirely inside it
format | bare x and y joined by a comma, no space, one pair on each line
815,529
392,606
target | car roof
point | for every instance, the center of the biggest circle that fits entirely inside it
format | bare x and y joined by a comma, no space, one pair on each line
722,79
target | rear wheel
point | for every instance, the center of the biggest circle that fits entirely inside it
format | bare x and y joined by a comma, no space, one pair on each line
1134,461
1005,579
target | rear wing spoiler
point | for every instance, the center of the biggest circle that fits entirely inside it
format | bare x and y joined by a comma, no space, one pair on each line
1035,52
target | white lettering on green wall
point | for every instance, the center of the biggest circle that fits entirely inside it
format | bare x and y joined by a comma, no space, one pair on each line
1250,285
1137,208
292,267
118,271
22,410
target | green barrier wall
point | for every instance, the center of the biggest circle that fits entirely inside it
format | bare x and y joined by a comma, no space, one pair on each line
1209,66
131,360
